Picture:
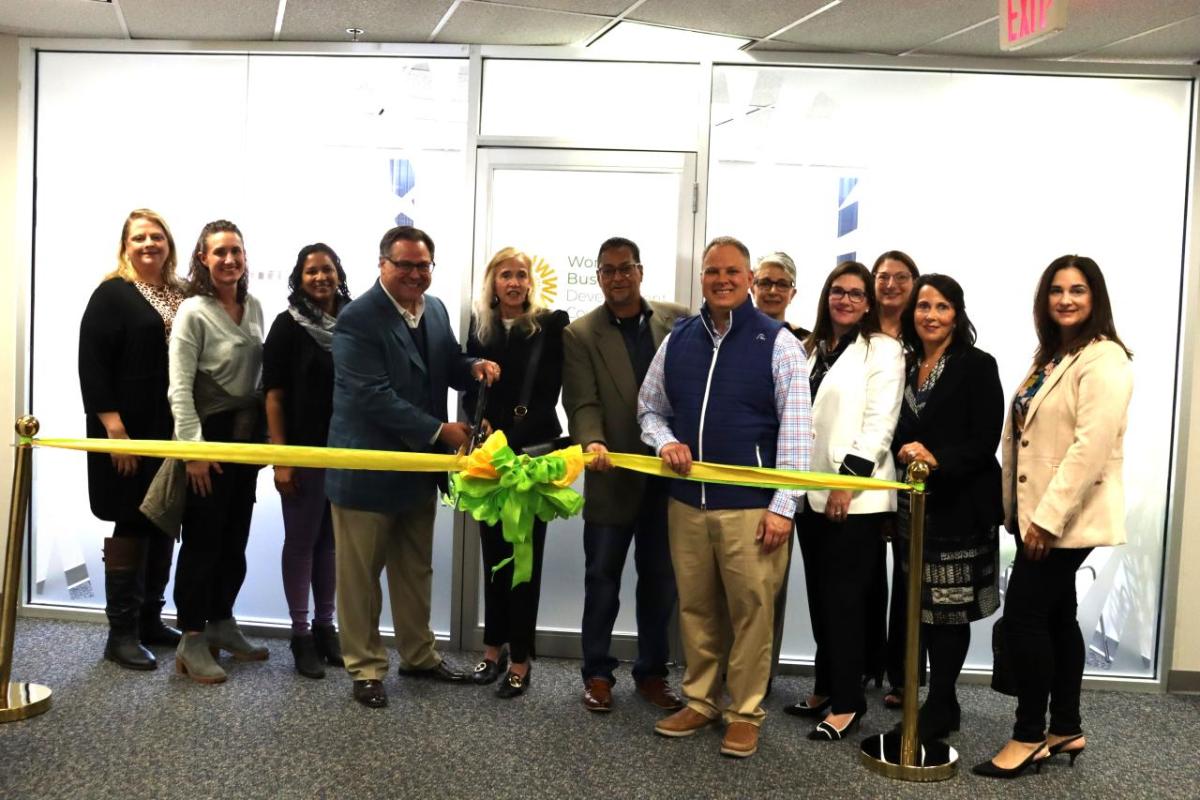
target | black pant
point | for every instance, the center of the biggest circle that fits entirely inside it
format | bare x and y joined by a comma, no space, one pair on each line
841,564
510,614
947,646
212,555
1046,645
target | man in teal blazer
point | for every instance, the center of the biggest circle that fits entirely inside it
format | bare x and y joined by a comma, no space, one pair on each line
394,356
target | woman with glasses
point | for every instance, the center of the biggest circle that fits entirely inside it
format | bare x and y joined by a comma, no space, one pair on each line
951,418
123,377
298,380
893,273
775,288
1062,452
510,327
856,375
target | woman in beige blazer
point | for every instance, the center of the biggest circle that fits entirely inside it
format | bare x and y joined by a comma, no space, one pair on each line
1063,495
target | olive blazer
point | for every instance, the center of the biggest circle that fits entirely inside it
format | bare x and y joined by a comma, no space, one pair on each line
600,394
1063,471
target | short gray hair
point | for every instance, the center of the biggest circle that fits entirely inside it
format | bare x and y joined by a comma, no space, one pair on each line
779,259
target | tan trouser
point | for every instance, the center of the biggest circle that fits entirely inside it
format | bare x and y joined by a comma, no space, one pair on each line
727,589
367,542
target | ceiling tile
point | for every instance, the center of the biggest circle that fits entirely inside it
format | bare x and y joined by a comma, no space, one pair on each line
60,18
480,23
721,16
981,41
1178,43
201,19
610,8
885,26
327,20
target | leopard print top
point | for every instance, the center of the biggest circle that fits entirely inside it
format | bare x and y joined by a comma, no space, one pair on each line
163,299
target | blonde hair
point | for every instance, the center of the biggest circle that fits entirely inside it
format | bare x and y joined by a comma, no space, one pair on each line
486,300
126,271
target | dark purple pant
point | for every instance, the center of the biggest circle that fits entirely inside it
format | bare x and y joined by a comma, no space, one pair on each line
308,552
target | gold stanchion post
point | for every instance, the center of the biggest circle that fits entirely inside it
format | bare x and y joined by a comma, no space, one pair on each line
17,700
902,755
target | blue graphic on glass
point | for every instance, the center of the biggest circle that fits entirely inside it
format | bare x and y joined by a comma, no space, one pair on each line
403,179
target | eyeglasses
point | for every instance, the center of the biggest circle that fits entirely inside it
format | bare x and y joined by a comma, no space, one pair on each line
766,284
853,295
624,270
423,267
898,278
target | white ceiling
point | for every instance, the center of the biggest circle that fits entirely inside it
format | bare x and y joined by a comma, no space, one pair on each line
1153,31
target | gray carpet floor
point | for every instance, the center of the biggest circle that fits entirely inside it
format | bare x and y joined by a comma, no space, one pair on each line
269,733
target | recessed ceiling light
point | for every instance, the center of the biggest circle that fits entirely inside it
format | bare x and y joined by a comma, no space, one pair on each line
632,38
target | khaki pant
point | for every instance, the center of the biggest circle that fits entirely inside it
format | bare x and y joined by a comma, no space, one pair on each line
727,588
367,542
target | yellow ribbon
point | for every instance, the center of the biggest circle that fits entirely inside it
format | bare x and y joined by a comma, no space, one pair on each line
479,466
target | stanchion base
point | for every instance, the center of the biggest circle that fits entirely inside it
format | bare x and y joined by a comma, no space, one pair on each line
23,700
936,760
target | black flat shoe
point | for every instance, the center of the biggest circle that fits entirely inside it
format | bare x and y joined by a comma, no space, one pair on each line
824,732
513,685
803,709
329,646
304,652
894,699
442,672
370,693
1055,749
935,721
988,769
487,671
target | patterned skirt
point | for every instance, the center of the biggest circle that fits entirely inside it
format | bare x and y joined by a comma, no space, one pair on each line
961,571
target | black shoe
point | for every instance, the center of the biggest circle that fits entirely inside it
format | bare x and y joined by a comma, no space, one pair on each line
935,720
123,560
487,671
329,646
514,684
308,661
988,769
442,672
124,649
156,633
370,693
803,709
1072,754
156,574
824,732
894,699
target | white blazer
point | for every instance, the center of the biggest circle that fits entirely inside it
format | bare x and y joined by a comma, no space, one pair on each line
855,413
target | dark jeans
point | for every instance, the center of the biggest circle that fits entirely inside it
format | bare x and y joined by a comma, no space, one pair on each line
605,548
1045,642
212,556
841,564
308,558
510,614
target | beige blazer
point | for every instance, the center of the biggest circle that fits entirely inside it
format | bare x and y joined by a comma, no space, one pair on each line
600,396
1064,472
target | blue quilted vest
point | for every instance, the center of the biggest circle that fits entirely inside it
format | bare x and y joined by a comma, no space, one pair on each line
723,401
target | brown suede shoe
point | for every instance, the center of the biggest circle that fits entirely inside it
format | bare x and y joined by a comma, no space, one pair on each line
597,694
741,740
657,692
684,722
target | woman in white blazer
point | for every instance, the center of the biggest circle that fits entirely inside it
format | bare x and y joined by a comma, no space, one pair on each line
1063,495
857,377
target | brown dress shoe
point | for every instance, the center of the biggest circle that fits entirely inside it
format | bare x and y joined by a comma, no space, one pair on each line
684,722
741,740
657,692
597,694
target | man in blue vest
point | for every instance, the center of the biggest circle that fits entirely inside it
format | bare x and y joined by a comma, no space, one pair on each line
728,386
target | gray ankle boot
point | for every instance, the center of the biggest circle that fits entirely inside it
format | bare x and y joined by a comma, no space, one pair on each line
225,635
192,658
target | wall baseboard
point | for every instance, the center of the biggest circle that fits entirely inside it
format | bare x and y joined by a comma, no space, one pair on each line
1179,680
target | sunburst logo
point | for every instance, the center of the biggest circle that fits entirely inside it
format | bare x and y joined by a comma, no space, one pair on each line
546,279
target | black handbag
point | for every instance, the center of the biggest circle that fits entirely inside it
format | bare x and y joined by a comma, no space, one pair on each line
1004,674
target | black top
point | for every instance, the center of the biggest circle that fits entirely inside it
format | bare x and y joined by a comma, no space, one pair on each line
960,425
639,341
512,352
122,368
295,363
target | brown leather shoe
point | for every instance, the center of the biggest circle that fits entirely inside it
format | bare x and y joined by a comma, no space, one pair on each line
597,694
657,692
741,740
684,722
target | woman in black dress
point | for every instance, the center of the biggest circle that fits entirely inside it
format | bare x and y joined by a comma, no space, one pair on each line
123,378
508,326
951,418
298,380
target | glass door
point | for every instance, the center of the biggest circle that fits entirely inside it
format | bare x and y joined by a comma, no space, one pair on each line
558,206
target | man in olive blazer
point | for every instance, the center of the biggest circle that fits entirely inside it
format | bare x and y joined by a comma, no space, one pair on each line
606,355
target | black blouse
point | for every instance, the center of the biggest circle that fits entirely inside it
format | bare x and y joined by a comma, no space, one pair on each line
122,368
295,363
512,350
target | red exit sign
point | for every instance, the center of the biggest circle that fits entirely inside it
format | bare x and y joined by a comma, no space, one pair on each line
1023,22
